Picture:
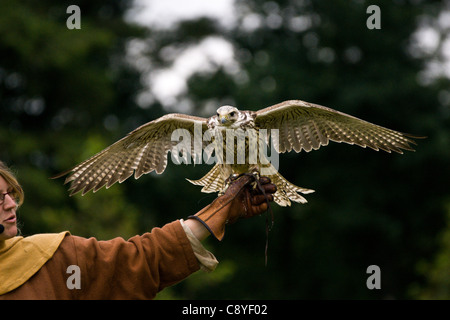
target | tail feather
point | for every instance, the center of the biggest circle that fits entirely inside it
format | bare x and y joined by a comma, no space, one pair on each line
211,182
286,192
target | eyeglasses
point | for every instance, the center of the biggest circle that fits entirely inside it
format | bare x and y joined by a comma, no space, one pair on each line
11,194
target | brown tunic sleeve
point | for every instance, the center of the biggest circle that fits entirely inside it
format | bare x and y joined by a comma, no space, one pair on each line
114,269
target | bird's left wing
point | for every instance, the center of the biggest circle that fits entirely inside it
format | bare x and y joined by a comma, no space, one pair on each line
142,151
306,126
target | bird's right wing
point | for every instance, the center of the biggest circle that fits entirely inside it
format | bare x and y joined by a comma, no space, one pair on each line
306,126
142,151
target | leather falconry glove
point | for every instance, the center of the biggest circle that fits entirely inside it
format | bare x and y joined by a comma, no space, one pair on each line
241,200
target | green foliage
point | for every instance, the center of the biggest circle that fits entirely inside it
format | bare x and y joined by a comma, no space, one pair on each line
436,271
67,94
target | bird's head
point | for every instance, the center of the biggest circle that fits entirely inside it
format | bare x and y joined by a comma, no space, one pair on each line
227,115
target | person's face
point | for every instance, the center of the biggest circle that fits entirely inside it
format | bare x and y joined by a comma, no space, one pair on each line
7,212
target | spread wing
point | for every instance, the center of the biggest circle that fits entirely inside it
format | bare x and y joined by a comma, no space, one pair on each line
308,126
142,151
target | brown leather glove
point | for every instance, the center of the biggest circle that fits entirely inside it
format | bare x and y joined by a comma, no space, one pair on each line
240,200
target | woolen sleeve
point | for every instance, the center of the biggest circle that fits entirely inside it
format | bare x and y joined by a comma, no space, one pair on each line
135,269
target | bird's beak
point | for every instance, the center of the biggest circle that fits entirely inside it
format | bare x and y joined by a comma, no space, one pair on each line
223,119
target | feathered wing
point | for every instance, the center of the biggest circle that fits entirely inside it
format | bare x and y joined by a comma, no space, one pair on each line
307,126
142,151
213,181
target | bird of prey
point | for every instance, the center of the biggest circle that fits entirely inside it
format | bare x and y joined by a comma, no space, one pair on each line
291,125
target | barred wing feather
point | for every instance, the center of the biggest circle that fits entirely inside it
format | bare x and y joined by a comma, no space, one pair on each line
142,151
307,126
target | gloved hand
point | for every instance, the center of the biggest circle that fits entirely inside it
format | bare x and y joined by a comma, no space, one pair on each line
240,200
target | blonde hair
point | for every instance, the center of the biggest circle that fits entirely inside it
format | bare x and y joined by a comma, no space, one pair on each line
17,191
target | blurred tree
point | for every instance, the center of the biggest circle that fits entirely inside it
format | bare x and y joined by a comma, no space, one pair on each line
436,271
56,85
66,94
370,208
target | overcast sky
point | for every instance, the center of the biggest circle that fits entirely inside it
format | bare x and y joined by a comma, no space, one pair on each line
167,85
164,13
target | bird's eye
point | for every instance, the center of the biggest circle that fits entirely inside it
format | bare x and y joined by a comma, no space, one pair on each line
232,114
217,114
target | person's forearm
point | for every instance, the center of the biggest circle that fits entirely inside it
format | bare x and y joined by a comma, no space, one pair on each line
199,231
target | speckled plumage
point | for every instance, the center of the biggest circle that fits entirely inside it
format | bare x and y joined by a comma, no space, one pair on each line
301,126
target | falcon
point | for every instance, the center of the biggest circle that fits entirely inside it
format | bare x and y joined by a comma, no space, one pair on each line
291,125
